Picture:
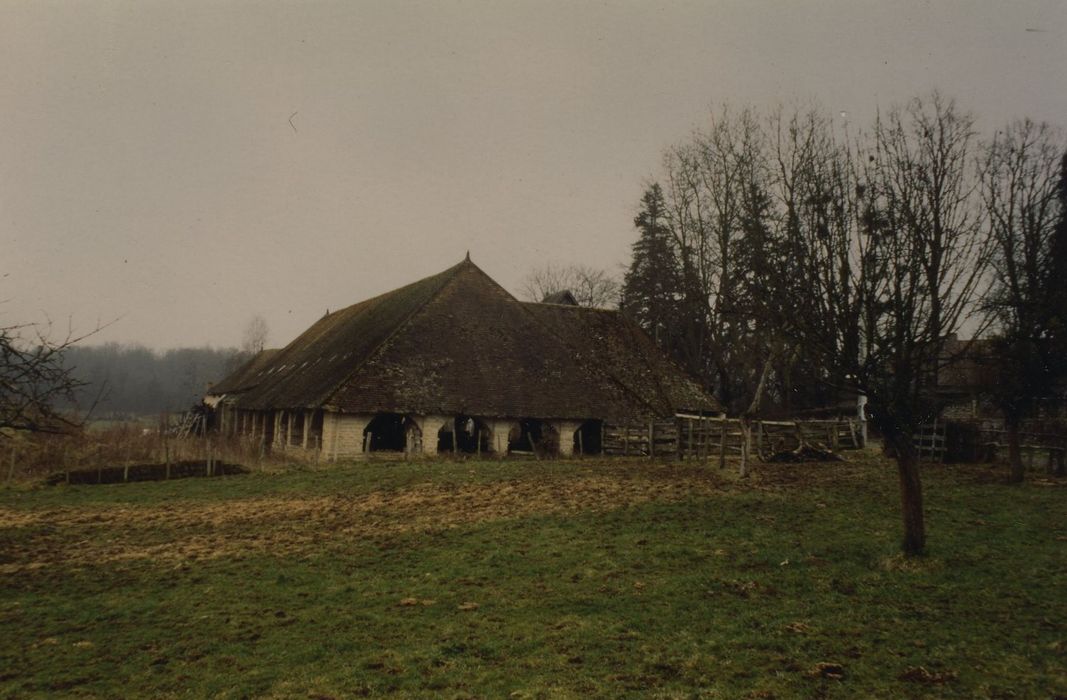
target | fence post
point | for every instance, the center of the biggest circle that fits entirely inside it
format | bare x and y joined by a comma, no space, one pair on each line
722,444
11,468
678,449
705,443
651,438
689,425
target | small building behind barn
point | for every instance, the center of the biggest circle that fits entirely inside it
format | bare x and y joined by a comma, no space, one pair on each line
454,363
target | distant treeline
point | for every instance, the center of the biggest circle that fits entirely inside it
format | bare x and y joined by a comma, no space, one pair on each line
126,380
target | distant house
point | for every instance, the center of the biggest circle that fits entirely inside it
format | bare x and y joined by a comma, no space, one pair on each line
453,362
561,297
968,371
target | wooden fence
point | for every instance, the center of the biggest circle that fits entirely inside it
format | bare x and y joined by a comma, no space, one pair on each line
708,438
930,441
1043,446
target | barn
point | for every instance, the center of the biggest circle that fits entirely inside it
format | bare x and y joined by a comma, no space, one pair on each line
454,363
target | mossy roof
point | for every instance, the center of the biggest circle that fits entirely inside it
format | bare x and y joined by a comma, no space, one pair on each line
458,343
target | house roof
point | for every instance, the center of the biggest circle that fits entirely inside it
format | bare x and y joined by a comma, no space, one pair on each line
967,365
621,349
458,343
245,376
561,297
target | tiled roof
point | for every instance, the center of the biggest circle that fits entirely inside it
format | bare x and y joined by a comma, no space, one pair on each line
620,348
458,343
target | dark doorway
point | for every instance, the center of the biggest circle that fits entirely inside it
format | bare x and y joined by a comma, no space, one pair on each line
587,439
535,437
472,436
315,436
268,429
386,432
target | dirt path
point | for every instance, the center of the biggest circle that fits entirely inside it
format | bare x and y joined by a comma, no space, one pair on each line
191,530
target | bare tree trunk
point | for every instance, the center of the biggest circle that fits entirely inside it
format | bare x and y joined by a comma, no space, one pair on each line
911,496
1015,455
746,418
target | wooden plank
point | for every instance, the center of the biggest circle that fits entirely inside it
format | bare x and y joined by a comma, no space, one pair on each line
722,446
689,424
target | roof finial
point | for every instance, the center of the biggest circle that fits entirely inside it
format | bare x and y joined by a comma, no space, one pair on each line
468,258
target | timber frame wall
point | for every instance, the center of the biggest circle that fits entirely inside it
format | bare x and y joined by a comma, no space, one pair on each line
330,435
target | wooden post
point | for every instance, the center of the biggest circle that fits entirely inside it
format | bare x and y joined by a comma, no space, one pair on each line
11,468
651,438
852,433
455,434
533,447
366,442
679,451
626,439
166,457
689,425
759,439
581,449
722,444
478,435
703,448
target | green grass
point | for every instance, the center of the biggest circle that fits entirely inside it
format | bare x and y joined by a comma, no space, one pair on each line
686,584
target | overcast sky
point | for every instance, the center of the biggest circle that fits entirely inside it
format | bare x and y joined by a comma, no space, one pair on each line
177,167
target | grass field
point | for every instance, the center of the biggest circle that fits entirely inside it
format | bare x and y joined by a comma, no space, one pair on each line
535,579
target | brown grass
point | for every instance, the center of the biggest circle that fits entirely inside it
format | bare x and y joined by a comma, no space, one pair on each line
204,530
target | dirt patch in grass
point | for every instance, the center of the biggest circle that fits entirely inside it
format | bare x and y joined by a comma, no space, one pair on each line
194,530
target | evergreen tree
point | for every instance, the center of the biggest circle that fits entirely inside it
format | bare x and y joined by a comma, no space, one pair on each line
649,293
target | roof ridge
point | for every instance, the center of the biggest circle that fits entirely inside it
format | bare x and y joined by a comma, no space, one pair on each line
449,275
572,307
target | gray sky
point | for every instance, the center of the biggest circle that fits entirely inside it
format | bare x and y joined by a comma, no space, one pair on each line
149,172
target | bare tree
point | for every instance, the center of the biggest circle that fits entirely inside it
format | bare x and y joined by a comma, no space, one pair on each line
1020,175
718,204
35,383
914,265
255,336
590,286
